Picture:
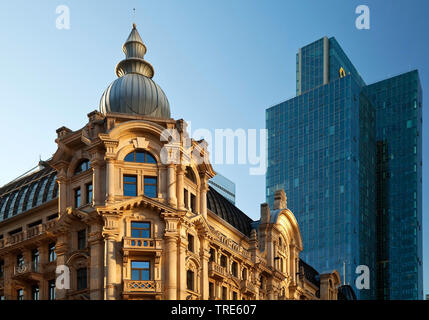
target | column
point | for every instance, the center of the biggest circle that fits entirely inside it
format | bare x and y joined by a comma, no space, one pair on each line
204,258
62,195
170,268
171,187
203,199
180,187
61,251
110,267
182,269
96,275
110,180
96,184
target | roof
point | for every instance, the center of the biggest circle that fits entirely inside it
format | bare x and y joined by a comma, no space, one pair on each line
224,209
309,273
28,192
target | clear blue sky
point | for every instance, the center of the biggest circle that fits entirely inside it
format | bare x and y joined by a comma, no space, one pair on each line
221,64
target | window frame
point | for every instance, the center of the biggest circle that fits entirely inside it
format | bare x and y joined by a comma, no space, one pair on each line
130,183
150,185
82,279
141,271
141,230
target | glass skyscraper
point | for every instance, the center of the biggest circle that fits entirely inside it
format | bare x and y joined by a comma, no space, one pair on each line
338,149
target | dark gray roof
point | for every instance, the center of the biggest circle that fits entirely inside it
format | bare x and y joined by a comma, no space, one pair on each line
309,273
223,208
28,192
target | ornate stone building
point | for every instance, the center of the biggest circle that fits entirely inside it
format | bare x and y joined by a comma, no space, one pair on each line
124,208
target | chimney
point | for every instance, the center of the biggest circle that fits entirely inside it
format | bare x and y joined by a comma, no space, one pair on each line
280,200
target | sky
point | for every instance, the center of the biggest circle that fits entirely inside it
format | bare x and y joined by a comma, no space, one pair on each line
220,63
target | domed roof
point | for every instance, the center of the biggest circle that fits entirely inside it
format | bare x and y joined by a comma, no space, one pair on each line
134,91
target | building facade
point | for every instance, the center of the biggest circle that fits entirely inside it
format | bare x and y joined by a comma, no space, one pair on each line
123,210
330,148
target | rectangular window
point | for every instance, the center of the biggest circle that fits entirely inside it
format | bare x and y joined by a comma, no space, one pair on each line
140,270
77,198
1,268
35,292
185,200
51,251
190,242
35,259
81,239
82,281
190,280
150,187
193,203
130,186
20,294
51,285
234,295
211,290
224,293
89,193
140,229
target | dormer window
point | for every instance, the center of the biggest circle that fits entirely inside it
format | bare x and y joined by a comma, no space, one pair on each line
140,156
83,166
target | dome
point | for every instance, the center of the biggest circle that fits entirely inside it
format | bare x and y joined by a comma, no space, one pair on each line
134,92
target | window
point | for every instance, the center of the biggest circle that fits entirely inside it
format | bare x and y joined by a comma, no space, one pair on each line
20,294
140,156
130,186
193,203
190,175
82,282
1,268
35,259
190,242
20,260
223,261
150,187
140,270
81,239
244,274
89,193
186,202
51,287
234,295
234,269
83,166
35,292
51,251
140,229
77,197
211,290
190,280
224,293
212,254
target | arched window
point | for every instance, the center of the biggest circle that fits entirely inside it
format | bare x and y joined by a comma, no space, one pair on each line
82,166
140,156
190,174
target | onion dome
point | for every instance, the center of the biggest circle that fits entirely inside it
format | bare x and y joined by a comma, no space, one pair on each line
134,92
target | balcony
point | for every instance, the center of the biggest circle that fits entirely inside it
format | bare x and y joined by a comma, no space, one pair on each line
27,234
216,271
247,287
142,286
142,244
27,271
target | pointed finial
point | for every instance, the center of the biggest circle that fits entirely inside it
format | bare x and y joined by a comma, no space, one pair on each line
134,26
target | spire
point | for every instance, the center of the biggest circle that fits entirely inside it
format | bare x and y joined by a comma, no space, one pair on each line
134,62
